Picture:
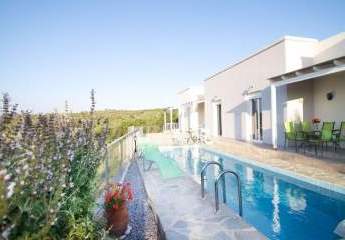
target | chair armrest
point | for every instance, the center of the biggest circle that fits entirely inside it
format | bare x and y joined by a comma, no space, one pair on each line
315,134
299,132
336,133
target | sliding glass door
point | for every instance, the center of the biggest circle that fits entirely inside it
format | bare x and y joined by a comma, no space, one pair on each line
257,119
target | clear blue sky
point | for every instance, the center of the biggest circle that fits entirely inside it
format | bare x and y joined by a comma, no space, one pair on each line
138,54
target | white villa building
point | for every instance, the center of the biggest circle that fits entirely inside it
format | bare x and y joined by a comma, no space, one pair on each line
192,108
291,79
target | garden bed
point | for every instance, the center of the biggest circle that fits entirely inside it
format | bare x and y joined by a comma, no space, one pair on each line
142,218
143,221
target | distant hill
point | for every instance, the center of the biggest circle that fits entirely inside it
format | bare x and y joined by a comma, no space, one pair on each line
119,120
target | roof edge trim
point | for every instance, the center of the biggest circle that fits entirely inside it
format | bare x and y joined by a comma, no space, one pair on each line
293,38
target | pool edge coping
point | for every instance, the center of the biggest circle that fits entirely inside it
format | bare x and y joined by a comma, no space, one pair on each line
319,183
162,231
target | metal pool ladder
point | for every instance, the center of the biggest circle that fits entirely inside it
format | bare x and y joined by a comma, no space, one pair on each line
219,177
239,192
202,177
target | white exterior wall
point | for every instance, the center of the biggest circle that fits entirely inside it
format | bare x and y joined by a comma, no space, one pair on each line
201,115
302,91
324,109
230,85
189,109
330,48
313,95
299,53
282,97
313,91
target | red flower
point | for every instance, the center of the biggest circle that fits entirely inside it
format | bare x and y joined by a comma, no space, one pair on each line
315,120
117,194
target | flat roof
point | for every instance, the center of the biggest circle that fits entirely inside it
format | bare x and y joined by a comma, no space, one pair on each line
262,50
310,68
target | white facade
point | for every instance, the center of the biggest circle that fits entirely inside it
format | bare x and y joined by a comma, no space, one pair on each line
192,108
287,80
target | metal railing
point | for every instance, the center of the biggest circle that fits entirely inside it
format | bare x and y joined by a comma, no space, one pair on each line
170,127
152,129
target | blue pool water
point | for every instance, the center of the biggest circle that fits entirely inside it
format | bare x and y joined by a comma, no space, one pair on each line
279,206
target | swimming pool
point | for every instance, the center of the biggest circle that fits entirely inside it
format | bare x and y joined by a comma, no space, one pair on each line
279,206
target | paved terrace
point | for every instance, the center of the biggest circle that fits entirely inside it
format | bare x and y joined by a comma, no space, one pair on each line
184,215
328,167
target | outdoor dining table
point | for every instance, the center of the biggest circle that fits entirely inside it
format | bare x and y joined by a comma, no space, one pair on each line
316,134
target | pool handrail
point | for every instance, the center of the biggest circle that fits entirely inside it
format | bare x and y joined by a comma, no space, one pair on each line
202,177
239,192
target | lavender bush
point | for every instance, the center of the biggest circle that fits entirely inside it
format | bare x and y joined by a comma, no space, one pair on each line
48,166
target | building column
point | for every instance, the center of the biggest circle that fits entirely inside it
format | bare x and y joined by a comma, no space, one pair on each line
165,121
194,116
274,116
171,112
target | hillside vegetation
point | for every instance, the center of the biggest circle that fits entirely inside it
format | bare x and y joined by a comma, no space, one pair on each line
152,120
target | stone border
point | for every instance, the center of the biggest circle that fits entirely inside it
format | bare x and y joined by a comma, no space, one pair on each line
160,233
293,177
319,183
187,219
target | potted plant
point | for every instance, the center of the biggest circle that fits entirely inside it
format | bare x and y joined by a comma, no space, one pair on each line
115,204
316,122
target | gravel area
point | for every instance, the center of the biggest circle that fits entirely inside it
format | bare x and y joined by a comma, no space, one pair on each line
142,218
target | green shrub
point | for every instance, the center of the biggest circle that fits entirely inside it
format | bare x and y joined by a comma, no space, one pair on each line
151,120
48,165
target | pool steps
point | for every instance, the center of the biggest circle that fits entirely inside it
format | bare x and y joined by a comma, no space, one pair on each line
218,178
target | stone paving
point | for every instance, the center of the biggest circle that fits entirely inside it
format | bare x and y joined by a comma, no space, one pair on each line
329,167
185,215
182,220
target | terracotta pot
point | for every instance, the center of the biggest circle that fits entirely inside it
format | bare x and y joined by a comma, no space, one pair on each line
117,220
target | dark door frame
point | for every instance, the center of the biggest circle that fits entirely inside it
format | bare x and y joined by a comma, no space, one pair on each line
219,119
257,131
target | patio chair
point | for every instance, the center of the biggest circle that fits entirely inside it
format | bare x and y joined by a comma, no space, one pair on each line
306,127
168,168
322,137
339,136
303,132
293,133
308,131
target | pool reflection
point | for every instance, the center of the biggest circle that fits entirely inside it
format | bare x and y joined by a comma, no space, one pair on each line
278,208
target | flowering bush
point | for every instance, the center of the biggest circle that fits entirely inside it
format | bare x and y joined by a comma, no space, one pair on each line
48,165
315,120
117,195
